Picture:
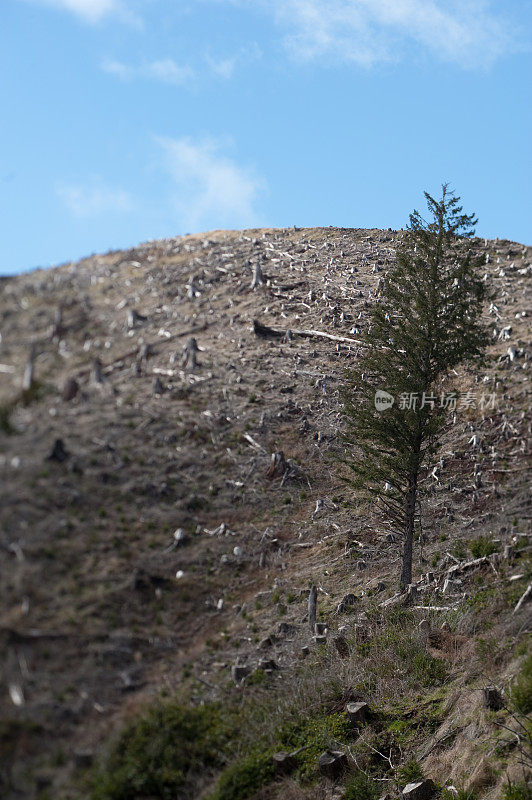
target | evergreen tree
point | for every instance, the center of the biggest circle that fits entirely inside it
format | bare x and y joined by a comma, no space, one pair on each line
425,322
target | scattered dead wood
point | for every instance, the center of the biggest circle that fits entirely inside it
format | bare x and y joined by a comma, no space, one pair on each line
117,363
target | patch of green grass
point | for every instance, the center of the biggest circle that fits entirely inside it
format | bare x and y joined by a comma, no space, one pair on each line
521,692
360,787
482,546
397,649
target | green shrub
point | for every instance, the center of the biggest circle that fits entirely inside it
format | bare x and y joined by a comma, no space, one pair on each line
522,689
517,791
360,787
482,546
244,777
409,772
162,753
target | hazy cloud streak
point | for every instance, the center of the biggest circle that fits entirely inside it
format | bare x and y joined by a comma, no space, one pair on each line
94,199
163,70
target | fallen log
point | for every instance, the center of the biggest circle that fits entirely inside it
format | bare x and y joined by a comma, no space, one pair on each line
266,332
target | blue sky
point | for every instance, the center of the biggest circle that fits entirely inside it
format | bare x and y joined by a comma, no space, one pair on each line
128,120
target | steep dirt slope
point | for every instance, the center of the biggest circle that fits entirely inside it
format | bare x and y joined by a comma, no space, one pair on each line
101,605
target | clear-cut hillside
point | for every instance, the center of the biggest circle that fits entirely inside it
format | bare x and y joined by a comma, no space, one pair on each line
102,605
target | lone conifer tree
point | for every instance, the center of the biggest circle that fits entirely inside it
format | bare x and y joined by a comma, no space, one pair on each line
426,322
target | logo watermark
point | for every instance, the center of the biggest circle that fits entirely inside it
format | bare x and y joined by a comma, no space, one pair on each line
413,401
383,400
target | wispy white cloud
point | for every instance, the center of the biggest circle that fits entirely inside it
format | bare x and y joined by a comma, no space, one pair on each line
210,189
94,10
364,32
164,70
94,198
225,67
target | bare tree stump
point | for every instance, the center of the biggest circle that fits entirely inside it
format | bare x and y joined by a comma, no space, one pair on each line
258,278
332,763
493,699
133,318
157,386
58,328
58,452
29,373
192,289
357,712
278,465
189,359
97,371
283,763
312,607
70,390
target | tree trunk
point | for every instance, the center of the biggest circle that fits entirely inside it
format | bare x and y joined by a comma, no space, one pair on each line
410,512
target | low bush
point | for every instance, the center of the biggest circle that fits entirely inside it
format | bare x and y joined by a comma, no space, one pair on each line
163,753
